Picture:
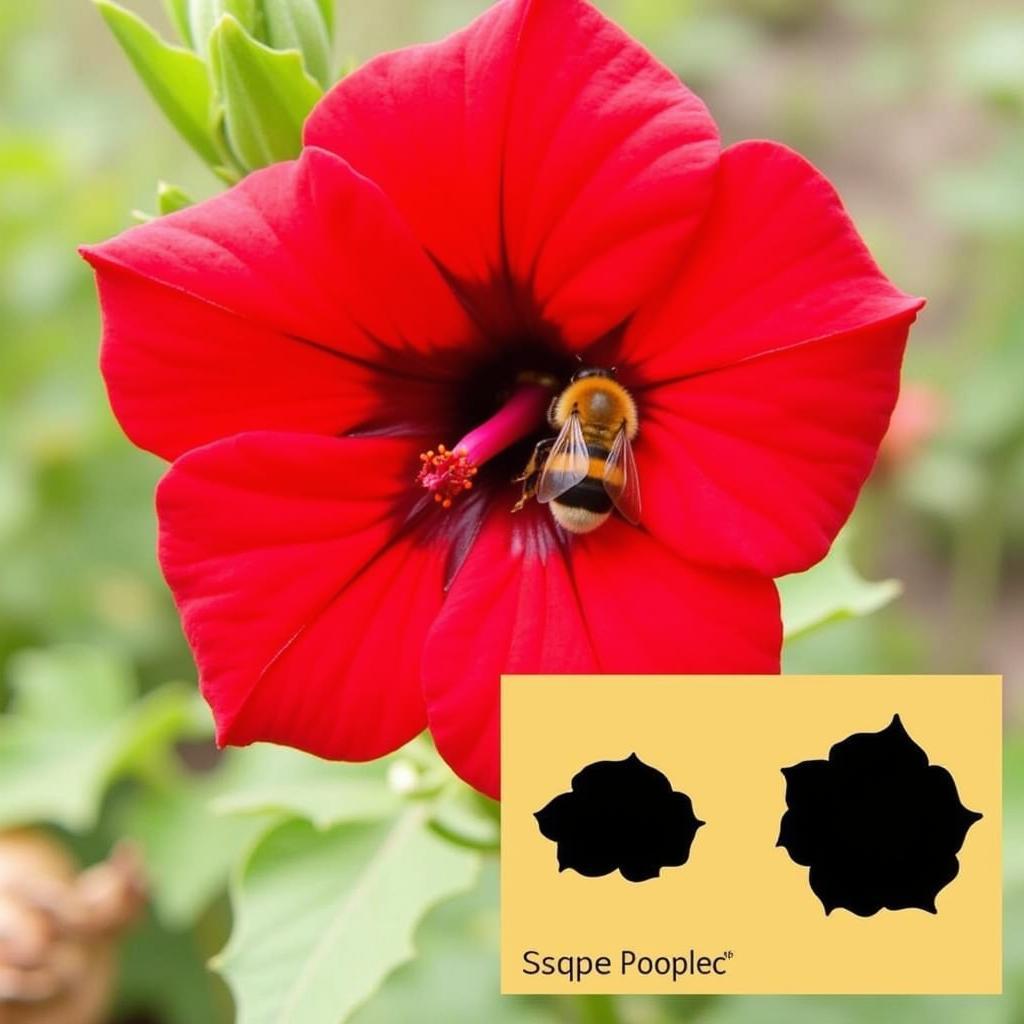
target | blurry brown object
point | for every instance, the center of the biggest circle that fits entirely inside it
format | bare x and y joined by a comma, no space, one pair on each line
59,928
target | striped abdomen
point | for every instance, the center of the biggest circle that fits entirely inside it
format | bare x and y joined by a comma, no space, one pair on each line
590,493
586,505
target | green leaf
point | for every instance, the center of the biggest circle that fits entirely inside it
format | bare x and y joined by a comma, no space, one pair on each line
323,917
456,976
163,977
189,849
830,591
203,16
194,828
170,198
176,78
73,727
278,780
266,95
300,25
177,11
327,13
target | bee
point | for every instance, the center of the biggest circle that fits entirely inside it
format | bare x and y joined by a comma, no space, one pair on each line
589,467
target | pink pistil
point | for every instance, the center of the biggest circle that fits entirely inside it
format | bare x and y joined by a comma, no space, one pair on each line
449,472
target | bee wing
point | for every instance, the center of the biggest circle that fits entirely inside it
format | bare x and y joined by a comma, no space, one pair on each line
567,463
620,478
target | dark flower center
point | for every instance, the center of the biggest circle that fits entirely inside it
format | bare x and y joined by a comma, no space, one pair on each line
501,412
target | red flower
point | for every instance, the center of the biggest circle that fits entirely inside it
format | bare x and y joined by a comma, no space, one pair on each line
532,189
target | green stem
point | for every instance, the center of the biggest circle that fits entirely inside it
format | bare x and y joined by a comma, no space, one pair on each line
466,838
462,817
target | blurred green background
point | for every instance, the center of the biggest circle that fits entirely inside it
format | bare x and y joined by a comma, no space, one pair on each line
914,109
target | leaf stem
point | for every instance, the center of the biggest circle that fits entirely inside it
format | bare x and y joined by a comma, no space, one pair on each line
466,839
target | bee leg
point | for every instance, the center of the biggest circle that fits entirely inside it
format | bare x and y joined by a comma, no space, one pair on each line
537,460
529,482
531,474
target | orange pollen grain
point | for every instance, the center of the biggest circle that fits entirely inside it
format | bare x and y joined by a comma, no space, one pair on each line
446,474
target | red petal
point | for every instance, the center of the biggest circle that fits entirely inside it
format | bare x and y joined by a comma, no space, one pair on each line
305,604
759,465
181,373
778,263
775,361
614,601
231,315
541,142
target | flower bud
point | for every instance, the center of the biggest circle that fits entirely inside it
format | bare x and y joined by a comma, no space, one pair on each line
170,198
203,16
301,25
265,95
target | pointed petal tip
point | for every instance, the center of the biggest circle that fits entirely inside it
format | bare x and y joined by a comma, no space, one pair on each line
222,732
90,252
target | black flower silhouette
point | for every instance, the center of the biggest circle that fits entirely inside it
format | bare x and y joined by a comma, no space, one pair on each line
878,826
620,815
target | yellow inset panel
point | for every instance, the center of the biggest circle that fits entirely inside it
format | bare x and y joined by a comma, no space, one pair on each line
739,902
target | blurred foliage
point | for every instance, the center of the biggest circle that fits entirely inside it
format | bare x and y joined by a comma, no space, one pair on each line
914,109
74,725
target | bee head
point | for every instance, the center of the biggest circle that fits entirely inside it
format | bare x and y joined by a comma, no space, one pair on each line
593,371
